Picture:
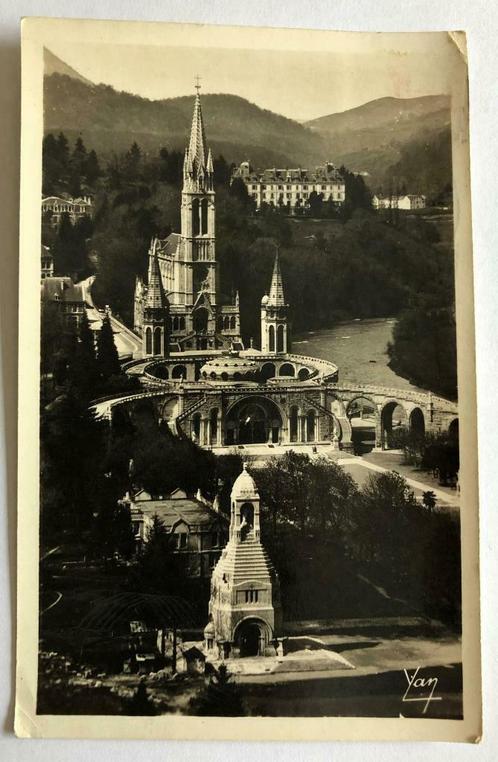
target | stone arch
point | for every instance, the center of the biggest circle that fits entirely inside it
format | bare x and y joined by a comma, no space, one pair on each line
287,369
393,418
253,420
360,407
417,421
179,371
148,341
453,428
251,636
267,371
303,374
271,338
280,338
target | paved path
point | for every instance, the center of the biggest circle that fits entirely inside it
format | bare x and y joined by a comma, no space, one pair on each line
418,486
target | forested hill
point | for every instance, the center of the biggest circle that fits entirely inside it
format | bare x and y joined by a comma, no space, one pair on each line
398,142
109,121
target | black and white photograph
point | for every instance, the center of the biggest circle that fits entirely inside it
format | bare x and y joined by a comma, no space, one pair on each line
252,490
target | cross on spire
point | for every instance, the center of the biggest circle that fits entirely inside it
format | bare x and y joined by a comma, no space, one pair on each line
197,82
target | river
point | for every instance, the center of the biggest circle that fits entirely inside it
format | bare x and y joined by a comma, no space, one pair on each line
358,348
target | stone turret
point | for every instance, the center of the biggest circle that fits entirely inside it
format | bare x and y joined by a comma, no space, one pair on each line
245,596
156,320
274,315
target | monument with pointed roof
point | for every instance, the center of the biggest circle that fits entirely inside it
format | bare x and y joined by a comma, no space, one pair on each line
245,611
187,260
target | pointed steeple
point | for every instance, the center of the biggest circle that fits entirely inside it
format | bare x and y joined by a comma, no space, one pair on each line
209,165
156,298
197,145
276,297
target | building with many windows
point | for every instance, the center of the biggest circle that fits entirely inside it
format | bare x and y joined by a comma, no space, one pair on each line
198,530
53,207
292,187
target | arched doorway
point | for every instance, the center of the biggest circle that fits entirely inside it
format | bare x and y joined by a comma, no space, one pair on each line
310,426
251,636
253,421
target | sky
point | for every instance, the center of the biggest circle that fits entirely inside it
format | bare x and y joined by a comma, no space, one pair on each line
299,84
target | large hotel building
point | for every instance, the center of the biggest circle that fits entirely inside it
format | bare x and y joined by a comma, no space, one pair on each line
292,187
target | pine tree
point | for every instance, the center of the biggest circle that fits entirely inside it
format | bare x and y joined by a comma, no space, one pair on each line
84,371
107,354
91,168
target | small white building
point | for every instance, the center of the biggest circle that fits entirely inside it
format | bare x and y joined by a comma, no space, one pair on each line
408,201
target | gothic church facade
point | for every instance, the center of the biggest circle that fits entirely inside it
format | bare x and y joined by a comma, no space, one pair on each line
189,272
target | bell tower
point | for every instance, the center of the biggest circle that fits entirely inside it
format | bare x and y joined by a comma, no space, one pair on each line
156,320
275,337
198,214
245,612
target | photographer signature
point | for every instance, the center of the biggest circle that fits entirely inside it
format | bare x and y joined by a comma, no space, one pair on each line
420,688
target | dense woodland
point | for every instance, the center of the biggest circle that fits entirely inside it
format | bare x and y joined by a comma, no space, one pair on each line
338,264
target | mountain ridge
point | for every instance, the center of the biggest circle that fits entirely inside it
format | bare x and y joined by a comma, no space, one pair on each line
374,138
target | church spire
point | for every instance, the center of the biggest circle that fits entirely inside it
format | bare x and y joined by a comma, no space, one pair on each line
276,297
156,298
197,145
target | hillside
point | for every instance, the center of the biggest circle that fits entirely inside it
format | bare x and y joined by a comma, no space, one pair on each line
396,140
400,141
110,121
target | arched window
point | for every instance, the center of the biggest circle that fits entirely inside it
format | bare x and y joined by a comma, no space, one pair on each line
280,338
271,337
293,424
157,341
182,323
310,426
195,216
232,322
148,341
204,216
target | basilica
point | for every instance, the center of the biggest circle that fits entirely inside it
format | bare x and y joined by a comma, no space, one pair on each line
202,382
180,306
